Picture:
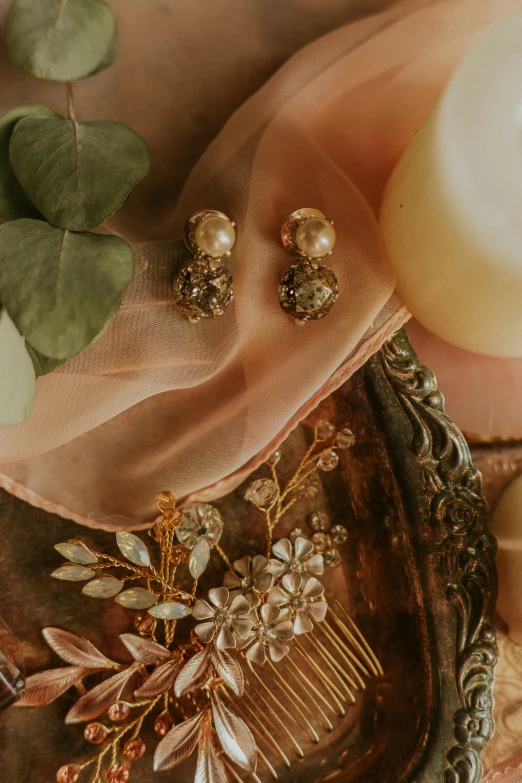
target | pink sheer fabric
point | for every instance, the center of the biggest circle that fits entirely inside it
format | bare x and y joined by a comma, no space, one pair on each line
507,772
158,402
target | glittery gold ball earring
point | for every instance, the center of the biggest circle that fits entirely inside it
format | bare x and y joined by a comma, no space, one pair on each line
205,288
308,290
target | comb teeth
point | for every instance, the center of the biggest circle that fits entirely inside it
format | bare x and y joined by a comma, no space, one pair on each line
290,706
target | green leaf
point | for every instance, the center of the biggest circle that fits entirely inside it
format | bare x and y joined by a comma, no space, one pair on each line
61,289
77,174
64,40
42,364
13,201
17,377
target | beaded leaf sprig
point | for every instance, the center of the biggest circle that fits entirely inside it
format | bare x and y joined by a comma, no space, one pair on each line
271,660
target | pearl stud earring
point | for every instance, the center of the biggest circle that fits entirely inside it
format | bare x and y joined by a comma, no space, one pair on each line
205,288
308,290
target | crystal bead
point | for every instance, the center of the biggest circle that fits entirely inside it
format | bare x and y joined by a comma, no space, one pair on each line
170,610
134,749
345,439
178,554
73,573
95,733
165,500
339,534
321,542
136,598
76,552
308,291
203,290
117,773
200,520
68,774
262,493
119,711
133,548
297,532
332,558
328,460
324,430
145,624
319,522
199,558
310,488
103,587
164,723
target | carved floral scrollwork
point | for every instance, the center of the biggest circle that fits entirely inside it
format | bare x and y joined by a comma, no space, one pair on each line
458,533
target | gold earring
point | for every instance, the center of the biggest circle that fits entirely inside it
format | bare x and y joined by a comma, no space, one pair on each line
308,290
205,288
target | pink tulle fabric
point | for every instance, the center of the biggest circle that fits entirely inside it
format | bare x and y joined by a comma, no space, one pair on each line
506,772
158,402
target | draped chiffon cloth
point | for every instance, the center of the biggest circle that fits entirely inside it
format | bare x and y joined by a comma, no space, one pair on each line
160,403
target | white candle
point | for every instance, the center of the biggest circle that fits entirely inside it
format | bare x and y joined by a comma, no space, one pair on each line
452,211
506,524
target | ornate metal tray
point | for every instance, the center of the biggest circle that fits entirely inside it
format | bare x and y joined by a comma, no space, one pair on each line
417,575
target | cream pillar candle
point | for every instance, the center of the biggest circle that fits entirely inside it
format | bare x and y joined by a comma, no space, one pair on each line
452,211
506,524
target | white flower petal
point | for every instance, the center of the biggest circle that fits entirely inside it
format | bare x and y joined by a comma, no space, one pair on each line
239,605
312,588
284,630
317,610
205,631
315,565
256,653
302,624
263,582
283,550
292,582
269,613
218,596
231,580
225,639
259,565
202,610
242,627
276,568
303,547
277,650
277,597
242,566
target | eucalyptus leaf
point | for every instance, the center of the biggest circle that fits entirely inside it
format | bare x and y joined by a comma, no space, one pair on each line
61,288
64,40
42,364
77,174
13,201
17,377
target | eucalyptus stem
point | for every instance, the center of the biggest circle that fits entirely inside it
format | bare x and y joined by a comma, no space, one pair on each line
70,102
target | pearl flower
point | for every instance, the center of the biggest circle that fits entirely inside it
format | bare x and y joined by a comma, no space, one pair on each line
250,576
226,618
298,558
299,594
274,628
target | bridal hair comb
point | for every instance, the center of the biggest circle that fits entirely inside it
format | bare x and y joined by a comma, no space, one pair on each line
251,677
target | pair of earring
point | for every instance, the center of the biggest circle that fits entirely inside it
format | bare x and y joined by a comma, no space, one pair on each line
307,291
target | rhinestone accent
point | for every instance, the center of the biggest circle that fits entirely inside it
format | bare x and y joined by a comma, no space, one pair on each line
133,548
202,290
170,611
200,520
117,773
73,573
76,552
307,291
103,587
332,558
164,723
321,542
339,534
136,598
119,711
